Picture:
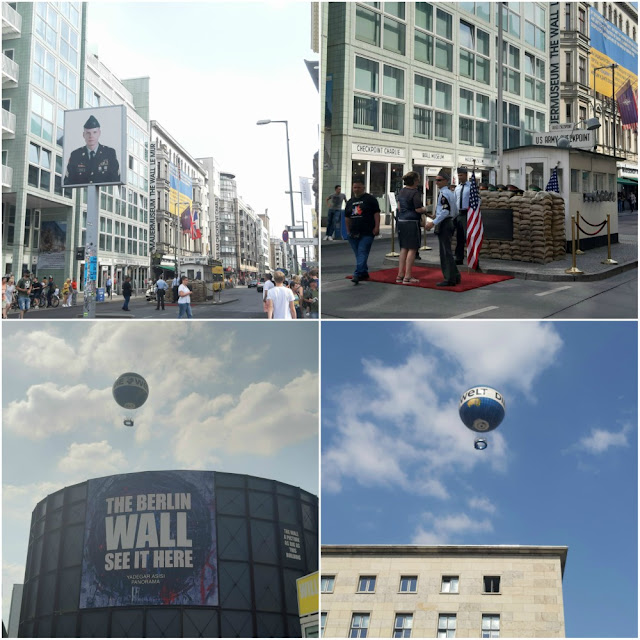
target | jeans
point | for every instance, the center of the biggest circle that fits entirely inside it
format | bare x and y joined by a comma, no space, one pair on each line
361,247
333,222
125,306
184,308
160,296
24,303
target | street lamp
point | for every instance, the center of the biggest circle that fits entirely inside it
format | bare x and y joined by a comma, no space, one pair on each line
293,221
591,124
301,209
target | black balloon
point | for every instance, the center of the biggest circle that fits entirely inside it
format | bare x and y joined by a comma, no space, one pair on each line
130,390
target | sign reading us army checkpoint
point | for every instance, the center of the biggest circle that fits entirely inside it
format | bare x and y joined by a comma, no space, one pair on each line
580,138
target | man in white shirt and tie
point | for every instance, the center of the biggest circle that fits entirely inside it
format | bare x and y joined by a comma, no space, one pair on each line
462,193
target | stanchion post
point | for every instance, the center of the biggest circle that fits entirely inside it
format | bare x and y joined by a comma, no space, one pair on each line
573,268
609,260
393,253
579,251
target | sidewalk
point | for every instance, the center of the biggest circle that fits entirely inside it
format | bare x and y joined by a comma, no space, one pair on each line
624,252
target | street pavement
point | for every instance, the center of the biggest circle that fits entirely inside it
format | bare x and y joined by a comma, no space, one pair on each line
537,291
237,303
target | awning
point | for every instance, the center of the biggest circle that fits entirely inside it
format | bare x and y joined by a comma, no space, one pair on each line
168,267
628,181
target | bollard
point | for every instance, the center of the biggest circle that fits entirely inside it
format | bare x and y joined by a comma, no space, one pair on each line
609,260
573,269
393,253
424,246
579,251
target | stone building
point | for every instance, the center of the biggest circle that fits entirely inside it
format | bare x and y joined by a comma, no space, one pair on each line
402,591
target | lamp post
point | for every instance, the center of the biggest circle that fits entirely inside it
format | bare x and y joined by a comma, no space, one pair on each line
293,221
302,210
611,66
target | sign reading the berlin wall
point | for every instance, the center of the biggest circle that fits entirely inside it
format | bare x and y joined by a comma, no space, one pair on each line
150,539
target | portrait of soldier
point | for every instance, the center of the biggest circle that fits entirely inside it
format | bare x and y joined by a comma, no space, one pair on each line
94,162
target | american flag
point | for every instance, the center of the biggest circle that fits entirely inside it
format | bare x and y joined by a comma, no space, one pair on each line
475,230
195,232
553,182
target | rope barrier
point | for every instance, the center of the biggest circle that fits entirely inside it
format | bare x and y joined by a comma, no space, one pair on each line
595,233
598,224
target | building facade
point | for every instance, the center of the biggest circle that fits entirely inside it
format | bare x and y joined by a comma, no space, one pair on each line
385,591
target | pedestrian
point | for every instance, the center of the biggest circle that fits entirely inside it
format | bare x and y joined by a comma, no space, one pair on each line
126,292
5,292
175,284
51,287
66,290
161,290
36,289
109,283
280,300
74,292
184,299
312,299
24,291
268,284
334,213
362,217
410,210
633,201
442,224
298,293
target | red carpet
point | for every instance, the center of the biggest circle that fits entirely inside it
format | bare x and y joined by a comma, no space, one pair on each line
430,276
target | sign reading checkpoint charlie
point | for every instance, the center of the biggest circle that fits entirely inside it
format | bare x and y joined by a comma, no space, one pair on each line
150,539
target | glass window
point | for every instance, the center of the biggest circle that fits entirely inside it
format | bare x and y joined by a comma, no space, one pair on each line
366,75
466,102
442,127
424,16
408,584
444,55
491,584
367,26
422,90
395,9
466,35
402,626
423,49
393,82
394,36
359,625
467,60
447,625
482,106
482,69
444,24
367,584
449,584
422,120
490,626
443,95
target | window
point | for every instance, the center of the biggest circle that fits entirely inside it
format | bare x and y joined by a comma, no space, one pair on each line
402,626
41,117
359,625
474,53
534,84
367,584
449,584
370,20
567,16
323,622
44,69
480,9
582,70
492,584
511,128
474,119
435,47
327,583
69,44
47,23
39,167
510,18
582,20
67,86
408,584
490,626
447,625
567,67
534,25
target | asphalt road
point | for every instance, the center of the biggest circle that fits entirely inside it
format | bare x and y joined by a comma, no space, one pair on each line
239,303
611,298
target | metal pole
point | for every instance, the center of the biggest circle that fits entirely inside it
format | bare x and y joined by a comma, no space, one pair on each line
500,141
579,252
178,226
614,110
573,268
304,233
293,216
609,260
91,252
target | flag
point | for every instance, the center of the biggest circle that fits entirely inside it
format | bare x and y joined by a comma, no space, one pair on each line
195,231
553,182
628,106
475,230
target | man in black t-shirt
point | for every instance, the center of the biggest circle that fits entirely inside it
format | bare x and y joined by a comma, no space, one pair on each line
362,217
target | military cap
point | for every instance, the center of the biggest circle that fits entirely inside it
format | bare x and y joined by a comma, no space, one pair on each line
533,187
484,186
501,187
492,187
462,170
92,123
444,172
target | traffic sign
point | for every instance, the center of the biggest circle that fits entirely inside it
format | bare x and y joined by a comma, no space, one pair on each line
290,227
305,242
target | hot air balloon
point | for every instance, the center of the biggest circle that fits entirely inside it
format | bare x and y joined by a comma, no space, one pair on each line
481,409
130,391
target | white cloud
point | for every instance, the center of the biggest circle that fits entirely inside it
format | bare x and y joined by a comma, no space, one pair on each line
262,420
600,440
496,353
482,504
93,459
449,529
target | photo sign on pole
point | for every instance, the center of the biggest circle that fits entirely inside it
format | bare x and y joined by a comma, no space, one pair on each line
94,154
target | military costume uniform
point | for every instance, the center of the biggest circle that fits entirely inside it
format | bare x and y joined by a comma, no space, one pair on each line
92,167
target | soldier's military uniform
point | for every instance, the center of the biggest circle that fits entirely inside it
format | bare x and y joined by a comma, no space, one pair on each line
91,167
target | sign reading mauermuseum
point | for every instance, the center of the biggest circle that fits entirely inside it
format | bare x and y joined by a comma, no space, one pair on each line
150,539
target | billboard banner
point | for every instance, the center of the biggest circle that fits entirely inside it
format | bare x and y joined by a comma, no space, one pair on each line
53,238
150,539
180,196
608,45
95,146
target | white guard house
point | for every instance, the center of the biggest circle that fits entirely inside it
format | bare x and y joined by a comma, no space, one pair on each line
587,180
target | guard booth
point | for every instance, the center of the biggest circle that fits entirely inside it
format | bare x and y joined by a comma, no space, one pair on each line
308,604
587,181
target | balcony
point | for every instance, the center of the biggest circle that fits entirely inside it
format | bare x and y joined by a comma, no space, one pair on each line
10,72
8,125
11,22
7,178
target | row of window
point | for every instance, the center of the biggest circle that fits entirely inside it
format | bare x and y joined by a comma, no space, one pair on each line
409,584
403,625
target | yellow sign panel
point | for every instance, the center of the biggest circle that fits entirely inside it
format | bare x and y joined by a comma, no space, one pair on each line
308,601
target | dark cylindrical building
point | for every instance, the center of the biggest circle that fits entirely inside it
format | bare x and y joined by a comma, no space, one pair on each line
169,554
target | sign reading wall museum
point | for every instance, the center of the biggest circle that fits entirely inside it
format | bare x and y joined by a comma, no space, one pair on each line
150,539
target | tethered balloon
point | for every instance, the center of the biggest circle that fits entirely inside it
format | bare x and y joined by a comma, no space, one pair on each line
481,409
130,391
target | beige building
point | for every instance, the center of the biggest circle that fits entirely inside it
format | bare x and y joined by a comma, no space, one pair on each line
394,591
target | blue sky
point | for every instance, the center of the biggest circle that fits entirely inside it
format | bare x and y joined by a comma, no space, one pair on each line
216,68
398,466
226,396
